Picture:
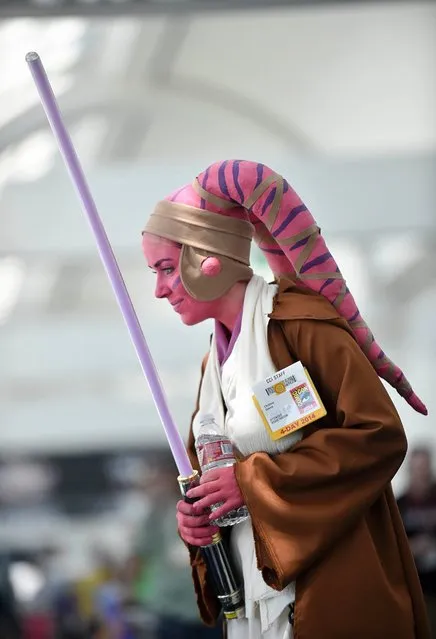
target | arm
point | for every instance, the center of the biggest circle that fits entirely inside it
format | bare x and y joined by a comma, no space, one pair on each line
208,605
303,501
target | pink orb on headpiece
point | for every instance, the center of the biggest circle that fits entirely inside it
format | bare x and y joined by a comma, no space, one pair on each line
211,266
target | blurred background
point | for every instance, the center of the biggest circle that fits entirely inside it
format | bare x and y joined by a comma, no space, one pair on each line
339,97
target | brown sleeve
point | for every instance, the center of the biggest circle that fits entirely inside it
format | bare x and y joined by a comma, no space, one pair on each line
302,502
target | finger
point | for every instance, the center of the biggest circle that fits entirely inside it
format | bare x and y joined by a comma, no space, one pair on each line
197,542
193,522
208,501
207,540
203,490
185,508
198,538
201,531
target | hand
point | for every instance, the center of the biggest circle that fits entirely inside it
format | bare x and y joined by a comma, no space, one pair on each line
217,486
194,525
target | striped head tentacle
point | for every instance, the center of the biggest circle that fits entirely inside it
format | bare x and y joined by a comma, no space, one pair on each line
290,239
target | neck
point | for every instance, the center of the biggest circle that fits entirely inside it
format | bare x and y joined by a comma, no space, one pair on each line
232,305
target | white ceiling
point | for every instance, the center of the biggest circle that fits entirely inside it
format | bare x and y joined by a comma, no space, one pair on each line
353,81
342,100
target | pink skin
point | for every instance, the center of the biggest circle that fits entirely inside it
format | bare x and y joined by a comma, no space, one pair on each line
194,520
163,257
220,485
217,486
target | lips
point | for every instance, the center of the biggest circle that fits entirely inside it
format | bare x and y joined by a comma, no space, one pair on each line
176,304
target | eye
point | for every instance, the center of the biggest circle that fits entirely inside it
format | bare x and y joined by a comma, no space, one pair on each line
168,270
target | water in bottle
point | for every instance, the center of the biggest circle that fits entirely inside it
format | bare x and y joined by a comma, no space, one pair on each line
215,450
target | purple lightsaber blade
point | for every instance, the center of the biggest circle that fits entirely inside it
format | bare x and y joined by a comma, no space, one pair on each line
71,160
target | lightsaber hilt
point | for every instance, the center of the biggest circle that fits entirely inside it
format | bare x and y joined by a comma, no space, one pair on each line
219,565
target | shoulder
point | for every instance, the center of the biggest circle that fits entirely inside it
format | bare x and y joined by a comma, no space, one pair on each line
295,302
307,324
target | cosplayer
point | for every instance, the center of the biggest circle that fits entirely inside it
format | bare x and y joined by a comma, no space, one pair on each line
323,553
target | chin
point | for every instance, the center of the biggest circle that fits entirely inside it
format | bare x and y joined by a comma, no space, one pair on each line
191,320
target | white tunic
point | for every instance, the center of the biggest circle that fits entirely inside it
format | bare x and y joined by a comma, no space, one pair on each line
250,361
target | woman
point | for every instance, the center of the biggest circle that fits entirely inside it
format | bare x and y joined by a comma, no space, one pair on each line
324,538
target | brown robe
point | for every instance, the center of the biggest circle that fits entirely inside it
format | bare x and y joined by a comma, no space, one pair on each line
324,514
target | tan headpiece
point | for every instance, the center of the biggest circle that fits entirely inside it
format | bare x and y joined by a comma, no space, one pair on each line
203,234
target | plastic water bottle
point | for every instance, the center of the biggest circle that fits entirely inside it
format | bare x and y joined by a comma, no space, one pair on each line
216,451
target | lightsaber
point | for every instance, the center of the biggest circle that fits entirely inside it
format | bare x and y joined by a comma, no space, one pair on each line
226,586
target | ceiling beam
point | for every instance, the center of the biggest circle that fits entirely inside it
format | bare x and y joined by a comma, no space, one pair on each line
102,8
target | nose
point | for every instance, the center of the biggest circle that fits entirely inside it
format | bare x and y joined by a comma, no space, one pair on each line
162,290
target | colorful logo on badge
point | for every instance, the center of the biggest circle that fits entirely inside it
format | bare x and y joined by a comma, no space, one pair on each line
303,398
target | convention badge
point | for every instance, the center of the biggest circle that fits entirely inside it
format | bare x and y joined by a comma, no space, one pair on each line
287,401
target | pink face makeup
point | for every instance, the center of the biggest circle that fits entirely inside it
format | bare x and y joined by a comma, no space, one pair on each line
163,258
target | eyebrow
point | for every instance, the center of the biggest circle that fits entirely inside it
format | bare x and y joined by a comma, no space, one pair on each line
160,262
